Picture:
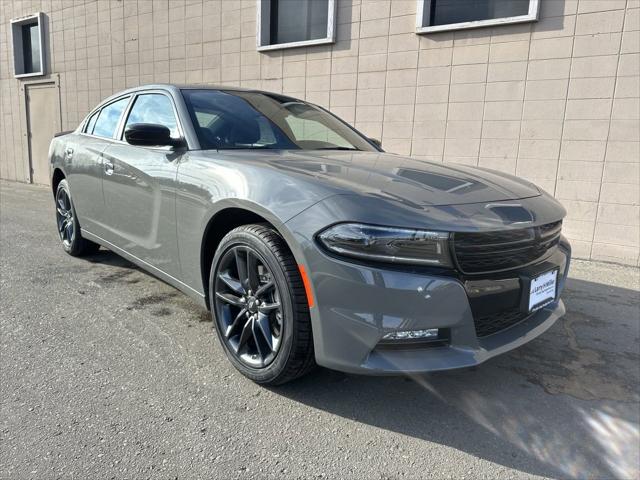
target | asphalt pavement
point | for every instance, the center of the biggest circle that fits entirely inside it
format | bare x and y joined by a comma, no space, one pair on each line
107,372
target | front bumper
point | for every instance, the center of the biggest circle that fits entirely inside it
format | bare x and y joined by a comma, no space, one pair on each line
357,304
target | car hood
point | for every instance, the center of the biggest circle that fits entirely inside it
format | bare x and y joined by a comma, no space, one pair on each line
415,182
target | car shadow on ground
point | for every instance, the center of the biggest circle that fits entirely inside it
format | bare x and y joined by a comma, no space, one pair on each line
107,257
565,405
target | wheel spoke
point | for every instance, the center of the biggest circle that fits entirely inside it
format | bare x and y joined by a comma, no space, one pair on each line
69,230
245,335
61,202
61,211
264,288
241,265
252,271
62,223
230,299
236,323
263,348
268,307
232,283
264,328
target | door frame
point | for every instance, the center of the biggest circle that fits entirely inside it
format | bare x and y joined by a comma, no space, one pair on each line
24,87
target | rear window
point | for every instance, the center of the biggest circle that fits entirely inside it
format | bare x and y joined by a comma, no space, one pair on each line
107,122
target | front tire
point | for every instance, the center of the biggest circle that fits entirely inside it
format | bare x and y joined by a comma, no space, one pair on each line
259,306
68,226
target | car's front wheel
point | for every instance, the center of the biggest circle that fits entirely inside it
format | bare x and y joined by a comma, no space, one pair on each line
260,307
68,226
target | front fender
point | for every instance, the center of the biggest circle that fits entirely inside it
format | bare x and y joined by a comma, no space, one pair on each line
205,187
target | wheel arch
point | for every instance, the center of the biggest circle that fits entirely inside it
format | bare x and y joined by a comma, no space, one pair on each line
56,177
221,223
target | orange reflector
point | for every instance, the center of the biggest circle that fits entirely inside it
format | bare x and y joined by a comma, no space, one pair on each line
307,285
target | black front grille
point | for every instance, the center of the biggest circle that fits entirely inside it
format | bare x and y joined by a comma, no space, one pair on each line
503,250
497,322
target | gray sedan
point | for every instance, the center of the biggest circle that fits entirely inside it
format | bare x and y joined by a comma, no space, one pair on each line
307,242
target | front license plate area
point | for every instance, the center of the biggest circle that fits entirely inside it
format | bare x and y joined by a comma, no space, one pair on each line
542,290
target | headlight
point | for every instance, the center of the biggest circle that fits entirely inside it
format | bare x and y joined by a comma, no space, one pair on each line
387,244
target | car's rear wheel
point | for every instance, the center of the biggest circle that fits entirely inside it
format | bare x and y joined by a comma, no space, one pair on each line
68,226
260,307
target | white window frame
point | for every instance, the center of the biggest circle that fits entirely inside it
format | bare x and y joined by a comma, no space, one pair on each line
16,44
531,16
264,16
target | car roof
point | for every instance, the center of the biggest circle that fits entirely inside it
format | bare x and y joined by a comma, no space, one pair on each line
170,87
175,89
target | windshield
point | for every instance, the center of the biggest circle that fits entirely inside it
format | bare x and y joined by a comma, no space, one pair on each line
226,120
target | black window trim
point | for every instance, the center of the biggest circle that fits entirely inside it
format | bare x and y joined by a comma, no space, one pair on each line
85,126
119,132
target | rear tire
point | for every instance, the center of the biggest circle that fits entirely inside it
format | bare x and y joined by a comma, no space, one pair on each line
264,329
68,226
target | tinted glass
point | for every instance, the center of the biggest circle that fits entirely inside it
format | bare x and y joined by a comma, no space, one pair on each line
153,108
445,12
31,47
107,121
234,119
91,123
298,20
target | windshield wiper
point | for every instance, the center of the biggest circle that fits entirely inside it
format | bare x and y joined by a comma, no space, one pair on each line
254,147
339,148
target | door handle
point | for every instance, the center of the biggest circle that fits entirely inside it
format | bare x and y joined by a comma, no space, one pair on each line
108,167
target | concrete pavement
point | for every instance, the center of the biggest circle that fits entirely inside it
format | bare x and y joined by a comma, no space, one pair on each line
106,372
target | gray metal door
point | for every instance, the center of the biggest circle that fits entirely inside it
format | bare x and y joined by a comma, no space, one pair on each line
43,121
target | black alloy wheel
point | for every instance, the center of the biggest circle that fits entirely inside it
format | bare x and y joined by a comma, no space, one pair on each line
249,308
65,218
68,226
259,306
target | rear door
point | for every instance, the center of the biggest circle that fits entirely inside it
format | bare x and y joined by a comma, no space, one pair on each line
139,187
85,166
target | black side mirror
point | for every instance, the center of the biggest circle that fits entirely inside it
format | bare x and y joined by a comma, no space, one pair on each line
151,135
376,142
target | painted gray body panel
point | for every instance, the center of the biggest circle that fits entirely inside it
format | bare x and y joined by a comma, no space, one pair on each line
84,174
364,302
140,204
156,206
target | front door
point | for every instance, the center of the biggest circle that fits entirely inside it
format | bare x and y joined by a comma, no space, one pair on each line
139,189
43,121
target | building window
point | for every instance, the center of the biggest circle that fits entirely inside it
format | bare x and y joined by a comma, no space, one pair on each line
28,45
439,15
295,23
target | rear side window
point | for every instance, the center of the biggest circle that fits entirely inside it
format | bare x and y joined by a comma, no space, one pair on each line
91,123
107,121
153,108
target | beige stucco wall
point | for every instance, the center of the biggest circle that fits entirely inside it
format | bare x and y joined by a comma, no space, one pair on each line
556,101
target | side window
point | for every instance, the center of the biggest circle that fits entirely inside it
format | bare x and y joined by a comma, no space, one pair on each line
88,128
107,122
153,108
